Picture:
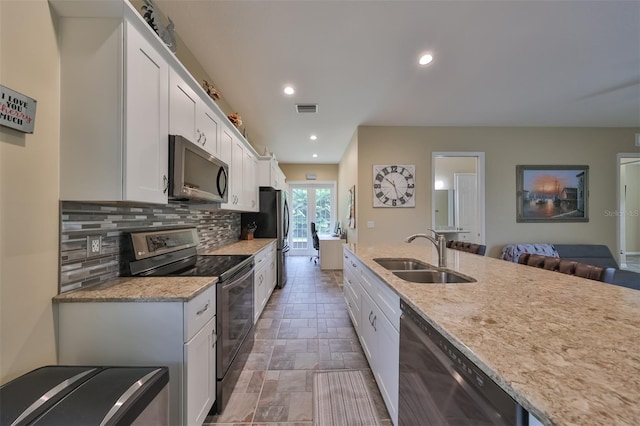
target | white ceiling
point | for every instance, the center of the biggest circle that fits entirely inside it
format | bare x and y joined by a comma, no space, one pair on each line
497,63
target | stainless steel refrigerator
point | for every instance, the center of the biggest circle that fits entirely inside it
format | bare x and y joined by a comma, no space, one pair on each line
272,222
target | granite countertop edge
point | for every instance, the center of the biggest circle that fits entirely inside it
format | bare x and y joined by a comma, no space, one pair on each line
158,289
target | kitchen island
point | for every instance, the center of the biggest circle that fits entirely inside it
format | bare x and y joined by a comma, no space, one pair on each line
564,347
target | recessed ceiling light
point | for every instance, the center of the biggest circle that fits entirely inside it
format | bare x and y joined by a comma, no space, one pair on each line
425,59
313,137
289,90
315,155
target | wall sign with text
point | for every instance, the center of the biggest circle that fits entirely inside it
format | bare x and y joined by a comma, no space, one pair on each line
17,111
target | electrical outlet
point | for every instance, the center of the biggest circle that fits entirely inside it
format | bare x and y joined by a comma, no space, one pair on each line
94,245
371,224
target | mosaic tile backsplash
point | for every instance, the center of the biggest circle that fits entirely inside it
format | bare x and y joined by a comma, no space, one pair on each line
113,222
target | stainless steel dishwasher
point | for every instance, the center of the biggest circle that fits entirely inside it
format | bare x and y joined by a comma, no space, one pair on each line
440,386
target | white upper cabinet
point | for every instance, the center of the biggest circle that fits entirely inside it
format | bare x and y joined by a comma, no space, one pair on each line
270,174
183,105
190,116
243,187
250,193
146,145
122,94
113,111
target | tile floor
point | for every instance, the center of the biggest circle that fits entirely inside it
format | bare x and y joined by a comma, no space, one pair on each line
304,328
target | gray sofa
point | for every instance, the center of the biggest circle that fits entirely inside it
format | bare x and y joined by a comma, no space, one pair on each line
593,254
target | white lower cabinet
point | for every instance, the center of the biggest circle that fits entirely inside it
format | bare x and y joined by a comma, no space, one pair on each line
352,296
264,278
179,335
375,312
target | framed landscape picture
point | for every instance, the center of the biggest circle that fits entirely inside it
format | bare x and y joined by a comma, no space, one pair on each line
552,193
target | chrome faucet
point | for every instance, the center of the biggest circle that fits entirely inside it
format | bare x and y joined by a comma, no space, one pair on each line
439,242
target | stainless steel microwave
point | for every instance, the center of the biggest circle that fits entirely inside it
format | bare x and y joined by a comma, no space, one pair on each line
195,176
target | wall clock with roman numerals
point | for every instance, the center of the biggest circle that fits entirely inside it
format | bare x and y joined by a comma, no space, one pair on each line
394,186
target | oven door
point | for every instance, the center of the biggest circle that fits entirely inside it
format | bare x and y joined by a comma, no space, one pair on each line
234,316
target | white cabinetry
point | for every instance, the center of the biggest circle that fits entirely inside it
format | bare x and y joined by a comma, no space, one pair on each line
113,111
243,188
190,116
180,335
264,277
270,174
375,311
250,184
352,292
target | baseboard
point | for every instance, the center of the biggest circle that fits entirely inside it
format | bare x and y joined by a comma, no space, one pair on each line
633,253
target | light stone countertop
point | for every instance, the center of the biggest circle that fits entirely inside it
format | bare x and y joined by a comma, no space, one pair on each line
250,247
145,289
565,348
158,289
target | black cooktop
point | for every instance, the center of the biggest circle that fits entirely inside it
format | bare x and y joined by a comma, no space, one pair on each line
214,266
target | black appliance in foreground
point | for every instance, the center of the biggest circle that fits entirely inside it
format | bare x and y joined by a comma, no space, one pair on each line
85,395
440,386
172,252
272,222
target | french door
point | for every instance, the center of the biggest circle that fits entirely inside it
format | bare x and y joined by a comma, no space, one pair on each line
310,203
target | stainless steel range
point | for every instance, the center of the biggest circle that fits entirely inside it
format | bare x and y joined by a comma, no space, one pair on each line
173,253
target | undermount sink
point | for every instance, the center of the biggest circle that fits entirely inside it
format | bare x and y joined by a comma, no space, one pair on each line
432,276
402,264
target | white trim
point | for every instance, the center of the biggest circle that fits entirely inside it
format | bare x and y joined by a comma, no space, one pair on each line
620,202
480,170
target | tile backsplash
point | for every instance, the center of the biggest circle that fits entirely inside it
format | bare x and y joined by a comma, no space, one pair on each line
112,222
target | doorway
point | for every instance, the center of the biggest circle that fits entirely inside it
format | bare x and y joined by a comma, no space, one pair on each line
628,214
457,197
310,202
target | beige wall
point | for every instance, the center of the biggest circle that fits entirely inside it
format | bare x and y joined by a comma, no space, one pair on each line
504,149
347,178
28,191
298,172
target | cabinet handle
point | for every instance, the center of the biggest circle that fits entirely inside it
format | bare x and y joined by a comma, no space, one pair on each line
201,311
374,323
353,264
214,338
165,184
370,313
346,257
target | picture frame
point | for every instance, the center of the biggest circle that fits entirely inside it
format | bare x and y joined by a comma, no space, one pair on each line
552,193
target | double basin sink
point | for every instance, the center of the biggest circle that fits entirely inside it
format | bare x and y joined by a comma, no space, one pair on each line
416,271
